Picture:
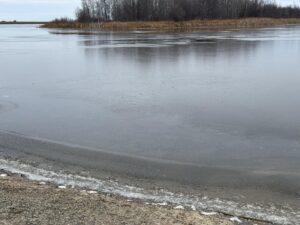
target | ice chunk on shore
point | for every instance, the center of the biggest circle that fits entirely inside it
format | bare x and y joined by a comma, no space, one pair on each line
208,213
62,187
160,204
179,207
193,208
163,204
235,219
3,175
92,192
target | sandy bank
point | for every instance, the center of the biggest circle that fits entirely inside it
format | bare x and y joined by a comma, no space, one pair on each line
183,25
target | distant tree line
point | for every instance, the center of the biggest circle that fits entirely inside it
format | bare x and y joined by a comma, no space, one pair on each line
151,10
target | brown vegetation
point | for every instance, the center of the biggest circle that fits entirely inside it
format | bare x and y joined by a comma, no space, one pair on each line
172,25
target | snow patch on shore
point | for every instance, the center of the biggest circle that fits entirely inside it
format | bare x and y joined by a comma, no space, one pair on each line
272,214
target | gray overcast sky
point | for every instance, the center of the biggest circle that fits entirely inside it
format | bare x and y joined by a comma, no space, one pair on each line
44,10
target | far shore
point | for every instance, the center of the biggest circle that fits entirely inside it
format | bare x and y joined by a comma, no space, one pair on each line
173,25
21,22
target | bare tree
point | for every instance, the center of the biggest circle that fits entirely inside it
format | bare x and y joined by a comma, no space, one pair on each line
132,10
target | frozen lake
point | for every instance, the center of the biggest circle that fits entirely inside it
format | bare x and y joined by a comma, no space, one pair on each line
226,100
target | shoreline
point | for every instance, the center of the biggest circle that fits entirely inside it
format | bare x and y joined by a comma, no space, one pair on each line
62,167
176,26
158,198
25,201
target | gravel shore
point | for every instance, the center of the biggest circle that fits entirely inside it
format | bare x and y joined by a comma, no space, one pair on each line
26,202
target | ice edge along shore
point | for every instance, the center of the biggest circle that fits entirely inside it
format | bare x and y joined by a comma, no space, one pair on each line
204,205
